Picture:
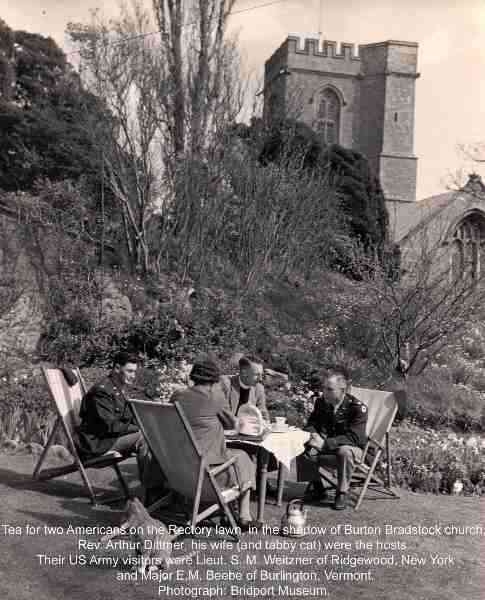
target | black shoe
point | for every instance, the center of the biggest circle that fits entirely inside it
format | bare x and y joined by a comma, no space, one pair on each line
315,492
340,501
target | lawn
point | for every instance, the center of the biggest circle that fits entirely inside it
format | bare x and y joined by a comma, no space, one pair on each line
372,553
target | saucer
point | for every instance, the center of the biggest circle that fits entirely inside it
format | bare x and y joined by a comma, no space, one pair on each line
280,428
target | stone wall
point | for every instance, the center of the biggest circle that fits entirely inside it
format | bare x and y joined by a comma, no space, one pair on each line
22,307
34,256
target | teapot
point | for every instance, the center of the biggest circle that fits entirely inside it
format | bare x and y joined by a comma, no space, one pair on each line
294,521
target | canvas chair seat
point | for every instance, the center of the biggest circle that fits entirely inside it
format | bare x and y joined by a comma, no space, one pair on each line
381,411
173,444
67,402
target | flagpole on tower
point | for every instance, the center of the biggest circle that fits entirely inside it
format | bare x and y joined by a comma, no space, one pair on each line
320,18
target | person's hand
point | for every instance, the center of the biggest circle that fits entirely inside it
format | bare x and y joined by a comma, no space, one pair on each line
316,441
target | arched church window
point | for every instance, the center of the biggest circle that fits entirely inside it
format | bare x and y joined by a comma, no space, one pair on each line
468,248
328,116
457,260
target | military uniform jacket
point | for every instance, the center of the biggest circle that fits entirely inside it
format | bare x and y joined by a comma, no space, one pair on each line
345,427
105,416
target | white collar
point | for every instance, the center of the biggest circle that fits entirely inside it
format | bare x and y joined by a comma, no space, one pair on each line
243,386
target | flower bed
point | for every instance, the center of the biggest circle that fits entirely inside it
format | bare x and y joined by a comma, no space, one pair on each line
425,460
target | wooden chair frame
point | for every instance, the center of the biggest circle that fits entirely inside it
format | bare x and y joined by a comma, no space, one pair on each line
67,409
204,471
364,475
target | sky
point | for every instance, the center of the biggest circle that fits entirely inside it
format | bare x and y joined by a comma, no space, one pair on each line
451,56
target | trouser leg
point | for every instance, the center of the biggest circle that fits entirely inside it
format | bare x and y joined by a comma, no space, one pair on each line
126,443
343,462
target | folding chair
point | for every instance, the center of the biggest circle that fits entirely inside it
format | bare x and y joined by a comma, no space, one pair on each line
67,401
381,412
173,444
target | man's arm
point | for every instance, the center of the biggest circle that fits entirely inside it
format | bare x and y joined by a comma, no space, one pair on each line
224,415
261,401
355,433
316,421
114,419
225,385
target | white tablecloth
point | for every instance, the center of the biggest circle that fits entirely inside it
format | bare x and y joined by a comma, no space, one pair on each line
285,446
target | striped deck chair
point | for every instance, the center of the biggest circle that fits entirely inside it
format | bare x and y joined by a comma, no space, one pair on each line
382,409
67,401
173,444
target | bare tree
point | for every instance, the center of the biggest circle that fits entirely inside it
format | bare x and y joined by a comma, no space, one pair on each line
474,152
171,95
409,318
122,68
468,177
200,80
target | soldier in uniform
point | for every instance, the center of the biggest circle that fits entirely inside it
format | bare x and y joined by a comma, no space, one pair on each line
107,421
338,437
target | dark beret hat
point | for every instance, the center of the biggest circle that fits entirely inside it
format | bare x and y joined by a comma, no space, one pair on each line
205,371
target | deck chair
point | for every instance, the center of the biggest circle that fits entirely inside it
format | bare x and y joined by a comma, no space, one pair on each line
381,411
173,444
67,401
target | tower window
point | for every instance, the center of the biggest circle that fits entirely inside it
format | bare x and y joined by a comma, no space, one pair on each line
395,117
328,116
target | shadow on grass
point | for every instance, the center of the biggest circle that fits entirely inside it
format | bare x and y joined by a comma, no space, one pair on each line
61,487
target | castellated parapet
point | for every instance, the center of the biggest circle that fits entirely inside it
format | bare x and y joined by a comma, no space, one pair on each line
374,91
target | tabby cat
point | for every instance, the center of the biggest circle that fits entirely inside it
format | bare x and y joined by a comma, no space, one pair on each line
153,540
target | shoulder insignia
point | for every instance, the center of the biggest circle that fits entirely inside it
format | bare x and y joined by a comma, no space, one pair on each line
358,404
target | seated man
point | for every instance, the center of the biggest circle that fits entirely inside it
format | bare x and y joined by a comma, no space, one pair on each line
107,421
246,387
338,436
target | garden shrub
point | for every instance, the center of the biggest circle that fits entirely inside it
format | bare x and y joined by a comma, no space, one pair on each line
26,411
441,403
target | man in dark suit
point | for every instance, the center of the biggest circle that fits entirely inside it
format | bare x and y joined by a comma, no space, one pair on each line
245,387
338,436
107,421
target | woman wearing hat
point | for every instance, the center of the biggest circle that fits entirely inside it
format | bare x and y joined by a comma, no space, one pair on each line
204,406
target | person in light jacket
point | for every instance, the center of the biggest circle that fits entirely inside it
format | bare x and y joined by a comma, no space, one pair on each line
245,387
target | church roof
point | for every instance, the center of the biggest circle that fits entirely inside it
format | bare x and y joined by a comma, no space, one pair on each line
406,217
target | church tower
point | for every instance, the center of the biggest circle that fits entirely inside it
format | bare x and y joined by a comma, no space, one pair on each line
364,102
